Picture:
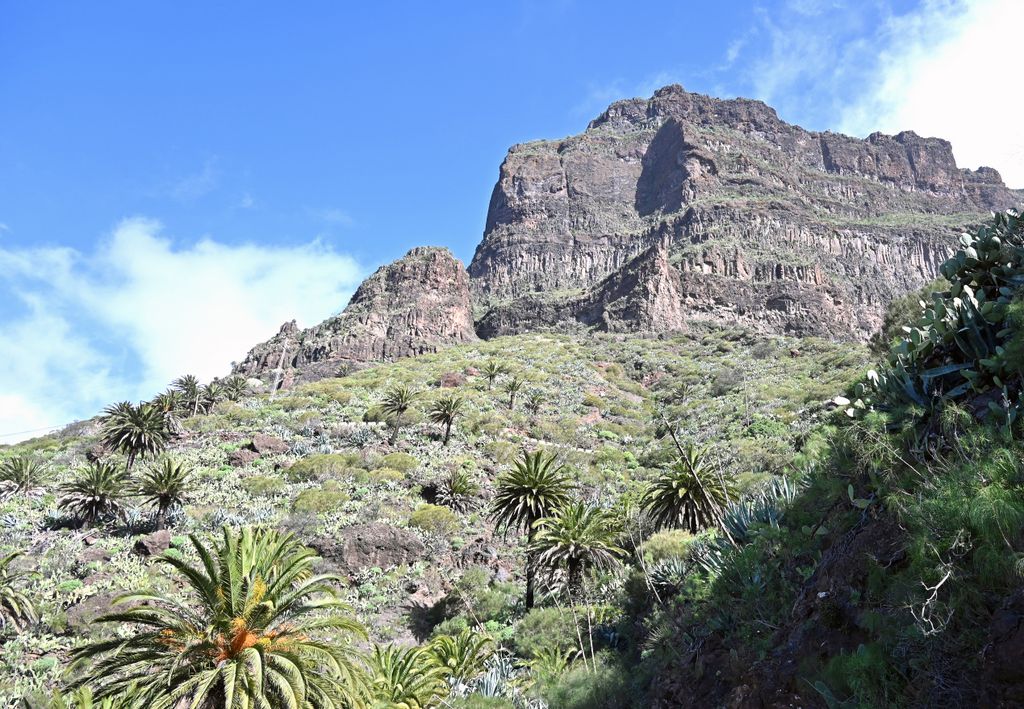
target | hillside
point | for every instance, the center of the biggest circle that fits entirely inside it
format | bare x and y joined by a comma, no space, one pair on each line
321,470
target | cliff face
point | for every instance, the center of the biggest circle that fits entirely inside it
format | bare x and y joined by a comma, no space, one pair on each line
769,224
415,305
666,210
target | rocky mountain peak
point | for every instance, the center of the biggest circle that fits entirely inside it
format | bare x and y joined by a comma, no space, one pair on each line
412,306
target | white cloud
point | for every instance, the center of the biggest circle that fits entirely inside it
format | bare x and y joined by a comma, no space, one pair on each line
951,70
333,215
123,321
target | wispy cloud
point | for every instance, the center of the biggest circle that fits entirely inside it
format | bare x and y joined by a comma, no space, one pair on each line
123,320
198,184
332,216
246,202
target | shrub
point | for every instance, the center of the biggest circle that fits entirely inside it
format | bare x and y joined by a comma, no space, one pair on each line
323,500
385,475
434,518
545,629
263,486
667,544
313,467
402,462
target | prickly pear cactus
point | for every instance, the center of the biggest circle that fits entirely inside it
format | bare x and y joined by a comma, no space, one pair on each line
960,348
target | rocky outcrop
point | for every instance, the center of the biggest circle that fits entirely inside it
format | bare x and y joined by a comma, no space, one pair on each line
642,296
773,226
415,305
368,545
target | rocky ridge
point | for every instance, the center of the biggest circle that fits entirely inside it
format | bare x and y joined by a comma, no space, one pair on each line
676,208
410,307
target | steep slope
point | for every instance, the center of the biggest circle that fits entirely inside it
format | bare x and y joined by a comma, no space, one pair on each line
782,228
415,305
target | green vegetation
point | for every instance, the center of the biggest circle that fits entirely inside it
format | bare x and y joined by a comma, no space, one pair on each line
164,487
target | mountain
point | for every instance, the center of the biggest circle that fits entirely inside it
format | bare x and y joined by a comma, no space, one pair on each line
669,210
410,307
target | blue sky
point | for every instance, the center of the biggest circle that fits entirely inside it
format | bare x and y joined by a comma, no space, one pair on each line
177,179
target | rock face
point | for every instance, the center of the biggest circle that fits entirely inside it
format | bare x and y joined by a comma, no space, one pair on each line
768,224
415,305
642,296
367,545
669,210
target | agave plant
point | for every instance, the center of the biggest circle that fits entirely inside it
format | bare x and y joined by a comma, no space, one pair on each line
397,402
576,537
252,633
22,475
444,411
164,487
536,486
136,431
458,491
689,495
95,492
15,607
406,678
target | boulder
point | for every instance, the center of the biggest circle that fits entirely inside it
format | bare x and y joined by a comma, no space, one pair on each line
265,444
153,544
371,545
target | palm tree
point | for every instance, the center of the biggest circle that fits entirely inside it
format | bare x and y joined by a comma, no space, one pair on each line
164,487
535,487
22,474
406,678
491,371
464,656
690,494
136,431
534,401
397,401
170,404
95,492
235,387
458,491
577,537
15,607
444,412
212,394
188,385
512,387
246,636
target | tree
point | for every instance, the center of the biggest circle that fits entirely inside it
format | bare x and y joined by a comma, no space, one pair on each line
534,401
397,401
212,394
444,411
96,492
536,486
235,387
22,474
512,387
247,635
15,606
164,487
577,537
689,495
463,656
136,431
170,404
190,390
406,678
491,371
458,491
